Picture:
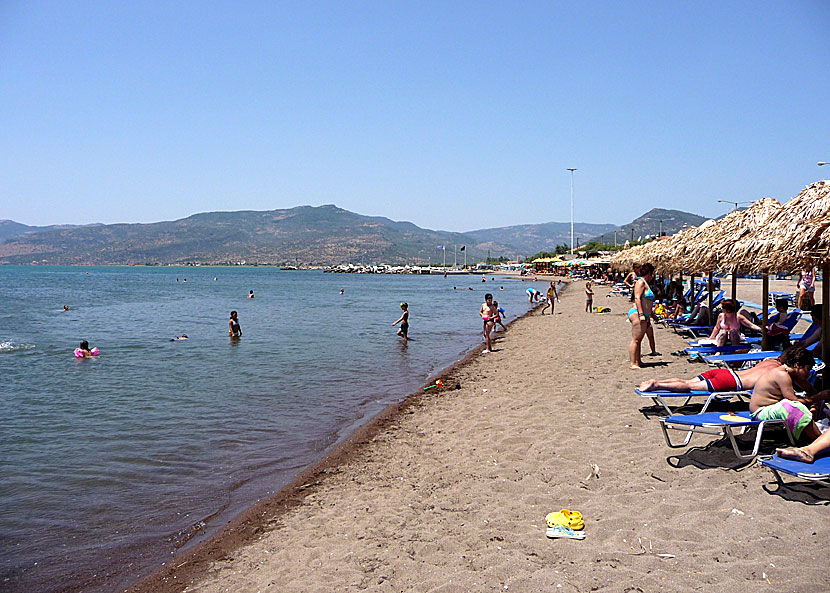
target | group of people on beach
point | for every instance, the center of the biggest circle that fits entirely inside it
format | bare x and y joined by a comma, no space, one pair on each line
780,386
774,383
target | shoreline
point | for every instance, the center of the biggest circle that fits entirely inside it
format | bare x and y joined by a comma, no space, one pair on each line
245,527
448,491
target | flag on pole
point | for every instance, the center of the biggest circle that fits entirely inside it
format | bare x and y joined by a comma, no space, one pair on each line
440,247
463,247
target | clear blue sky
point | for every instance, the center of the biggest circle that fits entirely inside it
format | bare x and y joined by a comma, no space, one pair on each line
452,115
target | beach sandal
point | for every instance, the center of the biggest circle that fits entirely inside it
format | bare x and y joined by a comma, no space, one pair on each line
566,518
563,532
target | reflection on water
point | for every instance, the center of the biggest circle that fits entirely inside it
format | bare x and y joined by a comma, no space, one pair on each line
130,452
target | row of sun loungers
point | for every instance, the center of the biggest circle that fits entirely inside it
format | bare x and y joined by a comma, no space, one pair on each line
731,425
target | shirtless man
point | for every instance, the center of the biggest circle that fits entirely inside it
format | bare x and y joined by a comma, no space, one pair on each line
714,380
488,313
774,395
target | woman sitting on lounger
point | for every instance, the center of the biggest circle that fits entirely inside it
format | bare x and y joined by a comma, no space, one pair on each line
727,329
716,379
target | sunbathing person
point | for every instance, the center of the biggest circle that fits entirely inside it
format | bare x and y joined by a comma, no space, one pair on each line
727,329
715,379
774,395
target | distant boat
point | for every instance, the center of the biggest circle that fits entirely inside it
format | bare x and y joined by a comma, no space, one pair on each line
288,267
449,271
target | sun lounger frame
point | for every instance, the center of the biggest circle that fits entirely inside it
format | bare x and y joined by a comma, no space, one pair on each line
772,462
711,425
658,397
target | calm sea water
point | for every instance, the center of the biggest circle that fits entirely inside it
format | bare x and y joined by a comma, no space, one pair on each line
109,465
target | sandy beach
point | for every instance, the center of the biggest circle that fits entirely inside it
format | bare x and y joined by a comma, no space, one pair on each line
448,491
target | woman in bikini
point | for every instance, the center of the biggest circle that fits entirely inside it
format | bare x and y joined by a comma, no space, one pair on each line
640,315
727,330
234,329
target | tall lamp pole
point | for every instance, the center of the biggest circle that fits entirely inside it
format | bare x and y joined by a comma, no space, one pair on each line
572,209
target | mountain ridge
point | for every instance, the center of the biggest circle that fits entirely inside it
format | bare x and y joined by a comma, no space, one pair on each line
310,235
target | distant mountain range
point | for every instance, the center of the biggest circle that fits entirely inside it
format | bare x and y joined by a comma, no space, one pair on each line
305,235
533,238
10,229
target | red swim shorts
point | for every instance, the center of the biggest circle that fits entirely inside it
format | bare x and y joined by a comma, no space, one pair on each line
721,380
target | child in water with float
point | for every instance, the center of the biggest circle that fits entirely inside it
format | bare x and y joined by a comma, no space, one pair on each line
83,351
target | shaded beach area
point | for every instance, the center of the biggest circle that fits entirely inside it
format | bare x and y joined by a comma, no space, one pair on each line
448,490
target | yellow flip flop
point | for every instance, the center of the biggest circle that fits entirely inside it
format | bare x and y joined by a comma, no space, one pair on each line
566,518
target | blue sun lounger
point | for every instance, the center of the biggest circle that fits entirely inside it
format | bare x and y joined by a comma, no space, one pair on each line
720,425
724,360
819,471
661,398
695,344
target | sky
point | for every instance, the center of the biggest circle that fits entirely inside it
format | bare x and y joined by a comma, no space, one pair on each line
452,115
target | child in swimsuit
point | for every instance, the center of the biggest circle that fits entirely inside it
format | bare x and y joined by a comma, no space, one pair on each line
488,314
589,297
497,319
404,321
552,294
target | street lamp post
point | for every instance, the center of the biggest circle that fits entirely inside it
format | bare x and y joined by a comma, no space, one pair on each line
615,239
572,210
661,230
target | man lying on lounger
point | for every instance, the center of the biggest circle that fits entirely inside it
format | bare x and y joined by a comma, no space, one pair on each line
774,395
716,379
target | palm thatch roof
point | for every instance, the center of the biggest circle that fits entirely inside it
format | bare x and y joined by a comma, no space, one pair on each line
732,234
762,238
793,236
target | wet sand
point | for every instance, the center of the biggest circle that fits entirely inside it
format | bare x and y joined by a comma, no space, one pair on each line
448,490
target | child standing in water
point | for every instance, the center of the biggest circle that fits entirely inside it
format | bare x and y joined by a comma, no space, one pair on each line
488,314
404,321
589,298
234,329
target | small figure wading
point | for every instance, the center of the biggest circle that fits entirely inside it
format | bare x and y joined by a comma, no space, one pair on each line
404,321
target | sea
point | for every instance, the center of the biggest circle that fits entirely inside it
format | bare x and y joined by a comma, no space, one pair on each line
110,465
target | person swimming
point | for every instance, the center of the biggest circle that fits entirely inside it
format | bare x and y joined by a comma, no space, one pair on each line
179,338
251,294
234,329
84,351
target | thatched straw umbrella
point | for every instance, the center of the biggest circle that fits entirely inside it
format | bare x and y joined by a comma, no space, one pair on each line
788,238
793,237
723,237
